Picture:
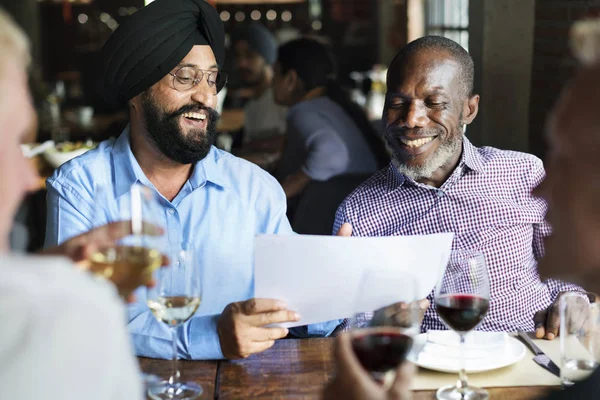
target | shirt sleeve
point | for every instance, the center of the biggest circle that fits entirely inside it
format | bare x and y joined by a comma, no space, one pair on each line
68,214
197,339
327,154
340,219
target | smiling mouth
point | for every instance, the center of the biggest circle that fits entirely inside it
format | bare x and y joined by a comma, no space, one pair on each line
194,116
416,143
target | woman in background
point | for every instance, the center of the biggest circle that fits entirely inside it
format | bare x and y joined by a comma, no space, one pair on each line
328,134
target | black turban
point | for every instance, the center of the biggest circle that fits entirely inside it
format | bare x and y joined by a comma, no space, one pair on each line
259,39
151,42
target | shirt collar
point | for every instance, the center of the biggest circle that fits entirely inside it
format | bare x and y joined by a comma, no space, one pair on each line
128,170
470,157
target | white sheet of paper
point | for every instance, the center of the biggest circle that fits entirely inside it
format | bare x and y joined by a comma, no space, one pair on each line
319,276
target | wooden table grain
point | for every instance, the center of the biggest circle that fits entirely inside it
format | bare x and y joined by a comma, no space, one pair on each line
292,368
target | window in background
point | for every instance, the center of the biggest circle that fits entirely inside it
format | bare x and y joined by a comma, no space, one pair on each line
449,18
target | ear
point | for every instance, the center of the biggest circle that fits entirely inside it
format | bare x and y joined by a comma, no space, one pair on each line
470,109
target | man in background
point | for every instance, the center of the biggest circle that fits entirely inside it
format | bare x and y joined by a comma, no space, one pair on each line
255,52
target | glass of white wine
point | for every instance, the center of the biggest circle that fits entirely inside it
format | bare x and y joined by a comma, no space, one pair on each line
174,300
130,261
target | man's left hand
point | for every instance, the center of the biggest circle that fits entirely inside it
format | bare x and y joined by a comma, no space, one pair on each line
547,322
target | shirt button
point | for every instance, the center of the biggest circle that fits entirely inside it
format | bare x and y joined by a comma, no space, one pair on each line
171,211
440,193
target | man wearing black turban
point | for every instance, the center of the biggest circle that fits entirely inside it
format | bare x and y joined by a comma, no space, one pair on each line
163,63
255,52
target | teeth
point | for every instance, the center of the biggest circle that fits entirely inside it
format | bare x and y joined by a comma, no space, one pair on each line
416,142
194,115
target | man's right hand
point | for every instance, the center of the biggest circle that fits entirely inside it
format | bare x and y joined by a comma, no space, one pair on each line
241,326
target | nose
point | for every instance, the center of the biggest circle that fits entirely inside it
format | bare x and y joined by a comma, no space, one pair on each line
416,115
204,94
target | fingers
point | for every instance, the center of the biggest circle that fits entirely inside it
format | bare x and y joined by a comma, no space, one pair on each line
347,364
552,321
345,230
257,347
275,317
400,388
257,306
268,334
539,320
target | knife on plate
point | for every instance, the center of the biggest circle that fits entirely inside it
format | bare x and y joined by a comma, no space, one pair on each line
540,357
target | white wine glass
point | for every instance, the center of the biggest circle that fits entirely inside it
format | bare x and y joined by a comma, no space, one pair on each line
174,300
129,261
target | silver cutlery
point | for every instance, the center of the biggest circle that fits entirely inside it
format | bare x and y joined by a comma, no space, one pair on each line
540,357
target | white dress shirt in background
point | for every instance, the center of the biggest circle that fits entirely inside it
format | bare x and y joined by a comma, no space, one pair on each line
62,334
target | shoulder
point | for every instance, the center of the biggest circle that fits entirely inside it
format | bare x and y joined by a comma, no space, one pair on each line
372,189
493,157
246,178
84,169
51,292
512,165
316,106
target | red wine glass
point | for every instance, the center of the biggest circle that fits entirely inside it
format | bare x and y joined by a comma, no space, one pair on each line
385,322
462,301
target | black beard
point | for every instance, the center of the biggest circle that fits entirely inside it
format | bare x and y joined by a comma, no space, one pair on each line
165,132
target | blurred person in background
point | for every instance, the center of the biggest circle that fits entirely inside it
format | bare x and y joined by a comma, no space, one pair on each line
63,336
328,135
255,51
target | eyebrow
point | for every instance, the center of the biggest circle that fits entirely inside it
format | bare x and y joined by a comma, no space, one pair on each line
181,65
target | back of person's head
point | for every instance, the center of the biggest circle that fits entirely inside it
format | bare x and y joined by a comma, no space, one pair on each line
442,45
313,62
259,39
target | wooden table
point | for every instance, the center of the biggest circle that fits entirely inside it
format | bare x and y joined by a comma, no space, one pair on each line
291,369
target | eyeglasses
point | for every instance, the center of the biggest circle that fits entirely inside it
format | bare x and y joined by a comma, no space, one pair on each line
186,78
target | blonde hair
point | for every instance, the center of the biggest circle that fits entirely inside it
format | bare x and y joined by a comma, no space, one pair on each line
14,44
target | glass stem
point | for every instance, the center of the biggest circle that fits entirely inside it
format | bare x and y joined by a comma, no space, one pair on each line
462,376
174,379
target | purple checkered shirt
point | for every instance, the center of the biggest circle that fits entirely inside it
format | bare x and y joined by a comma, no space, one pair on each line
487,203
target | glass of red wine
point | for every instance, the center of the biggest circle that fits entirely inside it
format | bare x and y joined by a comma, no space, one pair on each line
462,301
386,320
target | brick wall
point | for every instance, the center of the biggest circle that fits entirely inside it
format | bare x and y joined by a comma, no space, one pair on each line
553,63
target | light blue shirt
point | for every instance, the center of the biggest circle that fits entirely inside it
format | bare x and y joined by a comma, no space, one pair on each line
225,203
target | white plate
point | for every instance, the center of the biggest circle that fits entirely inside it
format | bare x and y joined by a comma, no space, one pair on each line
445,358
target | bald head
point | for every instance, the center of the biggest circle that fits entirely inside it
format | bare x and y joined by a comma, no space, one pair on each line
442,47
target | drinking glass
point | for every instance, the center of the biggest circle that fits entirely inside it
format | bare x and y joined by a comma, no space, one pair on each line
129,261
174,299
462,301
381,339
579,337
